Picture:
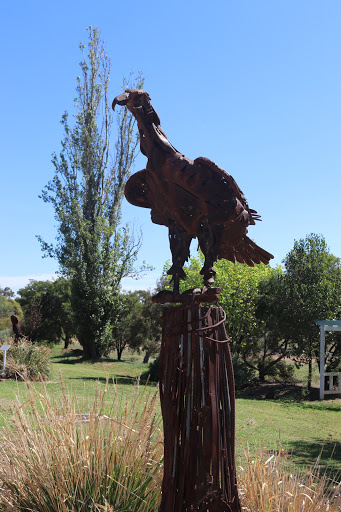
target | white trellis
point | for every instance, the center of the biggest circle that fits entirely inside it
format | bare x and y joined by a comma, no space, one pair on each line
334,378
4,348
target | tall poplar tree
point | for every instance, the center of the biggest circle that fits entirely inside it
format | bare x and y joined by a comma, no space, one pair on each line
92,247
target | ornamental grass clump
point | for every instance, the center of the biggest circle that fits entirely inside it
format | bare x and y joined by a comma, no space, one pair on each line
269,483
60,454
27,361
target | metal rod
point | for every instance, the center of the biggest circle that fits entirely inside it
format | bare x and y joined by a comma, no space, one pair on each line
4,364
322,356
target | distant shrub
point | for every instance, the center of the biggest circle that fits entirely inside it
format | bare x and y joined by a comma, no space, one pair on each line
282,371
154,370
27,361
5,334
243,375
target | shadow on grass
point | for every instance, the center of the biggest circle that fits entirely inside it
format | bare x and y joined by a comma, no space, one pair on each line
284,393
325,454
76,357
118,379
333,404
74,354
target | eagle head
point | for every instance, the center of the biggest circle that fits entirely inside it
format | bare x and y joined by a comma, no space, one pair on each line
131,98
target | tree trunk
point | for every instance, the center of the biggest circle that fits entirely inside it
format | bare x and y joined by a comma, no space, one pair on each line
146,357
119,353
310,372
261,374
89,349
310,365
67,341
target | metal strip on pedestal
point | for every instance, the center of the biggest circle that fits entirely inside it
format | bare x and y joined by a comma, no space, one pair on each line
197,401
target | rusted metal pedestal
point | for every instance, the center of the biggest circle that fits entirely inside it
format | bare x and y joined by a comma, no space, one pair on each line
197,401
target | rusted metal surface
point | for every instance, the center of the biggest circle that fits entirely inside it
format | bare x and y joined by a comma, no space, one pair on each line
197,401
193,198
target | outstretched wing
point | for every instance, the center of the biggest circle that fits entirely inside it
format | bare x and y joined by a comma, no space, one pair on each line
136,190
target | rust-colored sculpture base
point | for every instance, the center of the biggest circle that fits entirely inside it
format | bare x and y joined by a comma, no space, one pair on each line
197,401
189,297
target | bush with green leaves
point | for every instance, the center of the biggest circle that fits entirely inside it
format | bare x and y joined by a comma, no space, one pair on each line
153,371
5,335
243,375
27,361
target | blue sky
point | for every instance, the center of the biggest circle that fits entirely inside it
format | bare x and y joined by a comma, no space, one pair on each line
253,85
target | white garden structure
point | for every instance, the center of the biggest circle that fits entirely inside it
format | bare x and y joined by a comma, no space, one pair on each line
333,378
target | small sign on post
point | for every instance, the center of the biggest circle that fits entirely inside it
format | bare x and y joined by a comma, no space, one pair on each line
4,348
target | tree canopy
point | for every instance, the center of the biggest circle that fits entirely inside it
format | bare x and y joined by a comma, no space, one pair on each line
94,250
8,307
271,312
312,292
47,311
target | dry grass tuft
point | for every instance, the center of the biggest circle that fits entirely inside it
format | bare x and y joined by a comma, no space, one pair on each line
27,361
270,484
64,454
61,455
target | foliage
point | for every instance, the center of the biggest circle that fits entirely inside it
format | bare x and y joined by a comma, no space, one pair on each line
92,247
47,308
68,455
312,292
239,284
239,298
243,375
5,334
126,309
241,292
27,361
270,342
153,371
271,313
146,326
8,306
7,292
136,323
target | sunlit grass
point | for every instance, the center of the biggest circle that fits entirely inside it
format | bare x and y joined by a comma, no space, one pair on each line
271,484
75,424
70,453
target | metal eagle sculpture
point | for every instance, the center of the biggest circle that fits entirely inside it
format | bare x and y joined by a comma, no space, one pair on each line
193,198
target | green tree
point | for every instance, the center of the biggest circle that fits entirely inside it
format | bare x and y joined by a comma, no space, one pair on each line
239,299
240,289
92,247
7,292
271,341
47,311
312,292
146,326
123,328
8,306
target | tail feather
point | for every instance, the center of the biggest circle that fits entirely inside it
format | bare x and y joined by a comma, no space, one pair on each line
247,251
257,254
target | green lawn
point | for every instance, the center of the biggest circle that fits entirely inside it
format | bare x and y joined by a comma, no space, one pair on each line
301,428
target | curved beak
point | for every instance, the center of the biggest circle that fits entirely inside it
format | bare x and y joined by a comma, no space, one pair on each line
121,99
